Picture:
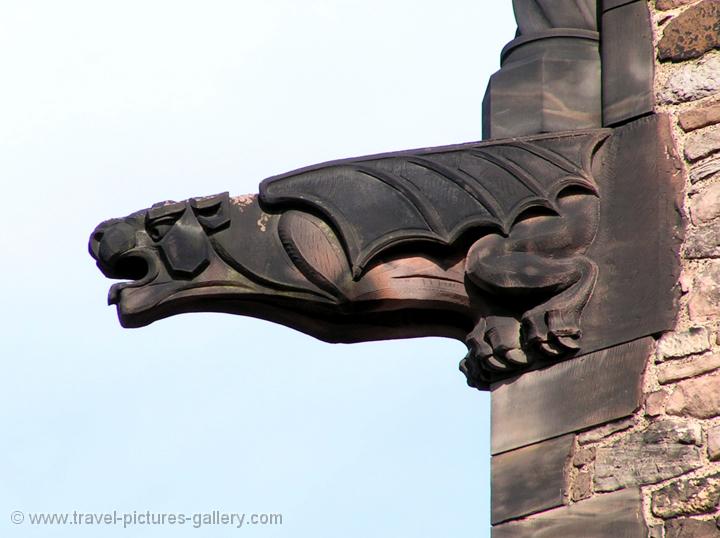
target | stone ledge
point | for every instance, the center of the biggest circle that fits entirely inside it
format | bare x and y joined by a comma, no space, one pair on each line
529,479
616,515
603,387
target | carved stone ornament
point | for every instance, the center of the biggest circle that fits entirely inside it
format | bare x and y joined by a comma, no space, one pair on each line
550,78
530,249
561,72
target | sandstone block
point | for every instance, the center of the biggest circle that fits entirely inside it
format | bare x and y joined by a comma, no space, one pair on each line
671,372
704,301
687,497
530,479
699,117
655,403
698,397
606,430
713,443
704,170
602,386
584,456
691,528
692,33
702,143
665,449
703,242
683,343
706,205
690,82
617,515
582,486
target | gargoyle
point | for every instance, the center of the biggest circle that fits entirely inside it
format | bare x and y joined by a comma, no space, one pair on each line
483,241
531,249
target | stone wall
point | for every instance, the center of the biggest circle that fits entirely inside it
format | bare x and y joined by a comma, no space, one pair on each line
650,466
670,448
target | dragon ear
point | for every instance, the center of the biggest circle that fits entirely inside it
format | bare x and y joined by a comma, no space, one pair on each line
315,250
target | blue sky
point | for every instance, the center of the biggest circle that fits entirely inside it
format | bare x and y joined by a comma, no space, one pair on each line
107,107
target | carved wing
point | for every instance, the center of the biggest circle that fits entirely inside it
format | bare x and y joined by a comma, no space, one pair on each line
435,194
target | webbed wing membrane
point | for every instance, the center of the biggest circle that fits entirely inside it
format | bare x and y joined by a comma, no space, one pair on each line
435,194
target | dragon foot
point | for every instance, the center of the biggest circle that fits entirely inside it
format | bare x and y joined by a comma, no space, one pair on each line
494,344
498,344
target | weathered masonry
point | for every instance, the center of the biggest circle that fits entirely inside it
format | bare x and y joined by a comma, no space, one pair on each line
574,250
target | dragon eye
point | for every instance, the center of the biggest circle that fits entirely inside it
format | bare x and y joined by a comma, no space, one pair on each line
157,228
161,217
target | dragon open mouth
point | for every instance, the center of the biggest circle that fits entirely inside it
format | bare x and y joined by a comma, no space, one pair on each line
139,267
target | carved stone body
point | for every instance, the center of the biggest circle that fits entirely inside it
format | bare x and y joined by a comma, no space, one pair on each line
474,231
495,243
542,257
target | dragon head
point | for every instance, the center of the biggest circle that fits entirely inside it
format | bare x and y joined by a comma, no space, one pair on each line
201,254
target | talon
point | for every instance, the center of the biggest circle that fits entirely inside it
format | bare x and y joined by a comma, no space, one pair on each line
568,342
494,345
549,349
494,364
517,356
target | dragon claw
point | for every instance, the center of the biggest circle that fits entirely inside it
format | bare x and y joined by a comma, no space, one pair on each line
494,345
568,342
517,357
